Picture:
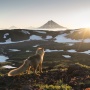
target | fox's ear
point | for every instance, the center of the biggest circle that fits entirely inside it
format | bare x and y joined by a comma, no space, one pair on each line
39,48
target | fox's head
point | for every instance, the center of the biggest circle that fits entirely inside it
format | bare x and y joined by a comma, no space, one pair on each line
40,51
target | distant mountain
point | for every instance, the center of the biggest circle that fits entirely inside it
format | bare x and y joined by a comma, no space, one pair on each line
51,25
1,28
13,27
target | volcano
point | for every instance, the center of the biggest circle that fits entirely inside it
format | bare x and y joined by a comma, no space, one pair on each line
51,25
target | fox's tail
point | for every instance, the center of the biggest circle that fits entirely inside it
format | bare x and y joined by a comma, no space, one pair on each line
20,69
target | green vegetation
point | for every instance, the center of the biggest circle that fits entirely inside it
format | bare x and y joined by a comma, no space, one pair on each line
56,87
85,66
59,86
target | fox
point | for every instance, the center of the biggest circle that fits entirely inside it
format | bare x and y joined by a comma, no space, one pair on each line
36,60
20,69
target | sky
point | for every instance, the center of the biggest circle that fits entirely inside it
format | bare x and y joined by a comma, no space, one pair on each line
35,13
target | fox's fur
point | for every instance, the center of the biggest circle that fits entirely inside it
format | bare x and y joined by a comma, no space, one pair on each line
20,69
34,61
37,60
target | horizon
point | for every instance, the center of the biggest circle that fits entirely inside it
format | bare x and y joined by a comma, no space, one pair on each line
32,13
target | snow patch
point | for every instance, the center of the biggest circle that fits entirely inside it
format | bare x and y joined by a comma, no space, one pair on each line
5,35
66,56
28,51
48,37
86,52
35,37
8,66
36,46
62,39
8,40
25,32
14,50
48,50
3,58
70,44
72,50
87,40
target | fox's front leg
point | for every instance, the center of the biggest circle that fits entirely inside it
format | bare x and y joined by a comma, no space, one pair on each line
35,70
40,68
28,70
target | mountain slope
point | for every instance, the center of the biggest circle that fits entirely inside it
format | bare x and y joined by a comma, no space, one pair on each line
51,25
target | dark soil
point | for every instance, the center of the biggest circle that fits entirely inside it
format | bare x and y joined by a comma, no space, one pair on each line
75,76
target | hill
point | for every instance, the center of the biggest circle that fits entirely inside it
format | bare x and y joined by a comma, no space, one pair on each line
51,25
